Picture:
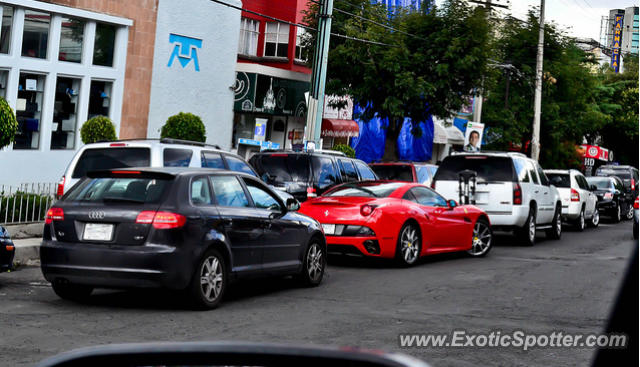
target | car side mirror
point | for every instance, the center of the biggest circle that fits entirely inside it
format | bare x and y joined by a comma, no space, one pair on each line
293,205
452,204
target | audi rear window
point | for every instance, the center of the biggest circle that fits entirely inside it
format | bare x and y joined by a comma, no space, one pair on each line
600,182
120,190
488,168
109,158
394,172
559,179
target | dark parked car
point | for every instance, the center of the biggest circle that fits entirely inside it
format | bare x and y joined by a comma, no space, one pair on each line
611,197
635,218
178,228
405,171
306,175
7,250
629,177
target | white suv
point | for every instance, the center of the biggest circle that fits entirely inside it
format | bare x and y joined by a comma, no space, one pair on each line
511,188
579,204
148,153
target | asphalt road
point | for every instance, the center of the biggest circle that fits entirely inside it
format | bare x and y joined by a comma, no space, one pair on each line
566,285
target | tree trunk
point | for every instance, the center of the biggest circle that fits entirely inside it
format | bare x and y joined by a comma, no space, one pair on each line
390,144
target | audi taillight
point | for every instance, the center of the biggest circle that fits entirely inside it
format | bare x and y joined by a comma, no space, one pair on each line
54,214
608,195
311,192
575,195
635,204
60,190
366,210
517,194
161,220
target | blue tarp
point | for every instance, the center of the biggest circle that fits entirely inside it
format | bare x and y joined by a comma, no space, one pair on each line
369,144
461,124
412,147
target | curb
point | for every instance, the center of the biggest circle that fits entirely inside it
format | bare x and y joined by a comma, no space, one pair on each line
27,251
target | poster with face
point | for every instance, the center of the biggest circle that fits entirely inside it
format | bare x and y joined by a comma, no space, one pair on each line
473,137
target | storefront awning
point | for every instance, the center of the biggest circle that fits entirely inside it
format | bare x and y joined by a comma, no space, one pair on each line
439,133
454,135
332,128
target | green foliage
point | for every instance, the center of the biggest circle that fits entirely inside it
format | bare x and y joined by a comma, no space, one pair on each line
96,129
184,126
8,124
415,76
347,150
23,207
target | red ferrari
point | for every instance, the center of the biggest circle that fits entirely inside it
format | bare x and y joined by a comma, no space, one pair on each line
397,220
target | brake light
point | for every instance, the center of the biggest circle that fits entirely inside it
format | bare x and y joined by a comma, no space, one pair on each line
366,210
60,190
56,214
635,204
161,220
126,172
279,155
633,184
575,195
517,194
311,192
117,145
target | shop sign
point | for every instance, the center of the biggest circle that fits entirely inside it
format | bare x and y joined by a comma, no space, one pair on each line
345,112
185,49
269,95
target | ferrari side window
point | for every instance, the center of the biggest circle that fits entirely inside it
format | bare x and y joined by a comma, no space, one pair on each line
427,197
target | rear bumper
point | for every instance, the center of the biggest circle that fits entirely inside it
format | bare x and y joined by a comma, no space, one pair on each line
6,256
572,210
358,246
605,205
148,266
514,218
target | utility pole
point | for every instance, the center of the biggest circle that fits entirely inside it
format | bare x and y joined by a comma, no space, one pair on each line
315,104
535,139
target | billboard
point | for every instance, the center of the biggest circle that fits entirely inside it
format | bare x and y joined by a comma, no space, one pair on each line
617,40
473,137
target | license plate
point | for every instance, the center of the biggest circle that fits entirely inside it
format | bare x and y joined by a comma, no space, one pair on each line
97,232
329,229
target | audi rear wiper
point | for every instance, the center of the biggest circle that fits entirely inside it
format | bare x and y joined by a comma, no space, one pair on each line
121,200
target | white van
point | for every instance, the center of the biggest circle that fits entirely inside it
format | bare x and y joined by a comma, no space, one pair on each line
511,188
148,153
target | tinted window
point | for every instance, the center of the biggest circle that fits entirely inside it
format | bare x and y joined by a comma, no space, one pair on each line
394,172
280,168
424,196
488,168
200,193
365,172
582,182
348,170
109,158
364,189
261,198
543,178
177,157
600,182
521,170
324,172
228,191
532,172
238,165
142,190
212,160
559,179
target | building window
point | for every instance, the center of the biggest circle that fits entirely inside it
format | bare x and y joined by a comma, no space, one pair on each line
36,34
104,44
276,40
4,77
65,109
302,53
5,31
100,98
71,35
249,31
29,110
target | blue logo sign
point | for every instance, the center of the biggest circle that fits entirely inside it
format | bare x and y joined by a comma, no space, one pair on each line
259,130
185,49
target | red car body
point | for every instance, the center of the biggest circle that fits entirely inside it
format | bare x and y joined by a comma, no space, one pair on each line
442,229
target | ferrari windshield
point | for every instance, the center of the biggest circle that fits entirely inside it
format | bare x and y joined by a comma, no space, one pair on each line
365,189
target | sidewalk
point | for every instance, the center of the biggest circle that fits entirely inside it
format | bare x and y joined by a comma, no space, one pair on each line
27,251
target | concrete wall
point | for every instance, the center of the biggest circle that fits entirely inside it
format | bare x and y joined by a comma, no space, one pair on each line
181,88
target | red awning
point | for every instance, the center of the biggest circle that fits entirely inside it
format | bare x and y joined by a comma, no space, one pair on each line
332,128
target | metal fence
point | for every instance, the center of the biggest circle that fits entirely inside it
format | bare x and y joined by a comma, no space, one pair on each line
26,203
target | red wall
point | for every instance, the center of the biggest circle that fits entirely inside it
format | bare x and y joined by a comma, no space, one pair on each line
288,10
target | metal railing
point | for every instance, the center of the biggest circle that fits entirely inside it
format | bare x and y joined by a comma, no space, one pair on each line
26,203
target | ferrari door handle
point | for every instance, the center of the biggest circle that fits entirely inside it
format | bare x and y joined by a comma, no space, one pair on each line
536,191
546,193
427,216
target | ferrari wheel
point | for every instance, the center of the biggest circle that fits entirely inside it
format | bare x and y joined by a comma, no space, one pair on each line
409,245
481,239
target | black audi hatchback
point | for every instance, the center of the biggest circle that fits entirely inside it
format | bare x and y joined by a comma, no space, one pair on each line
178,228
